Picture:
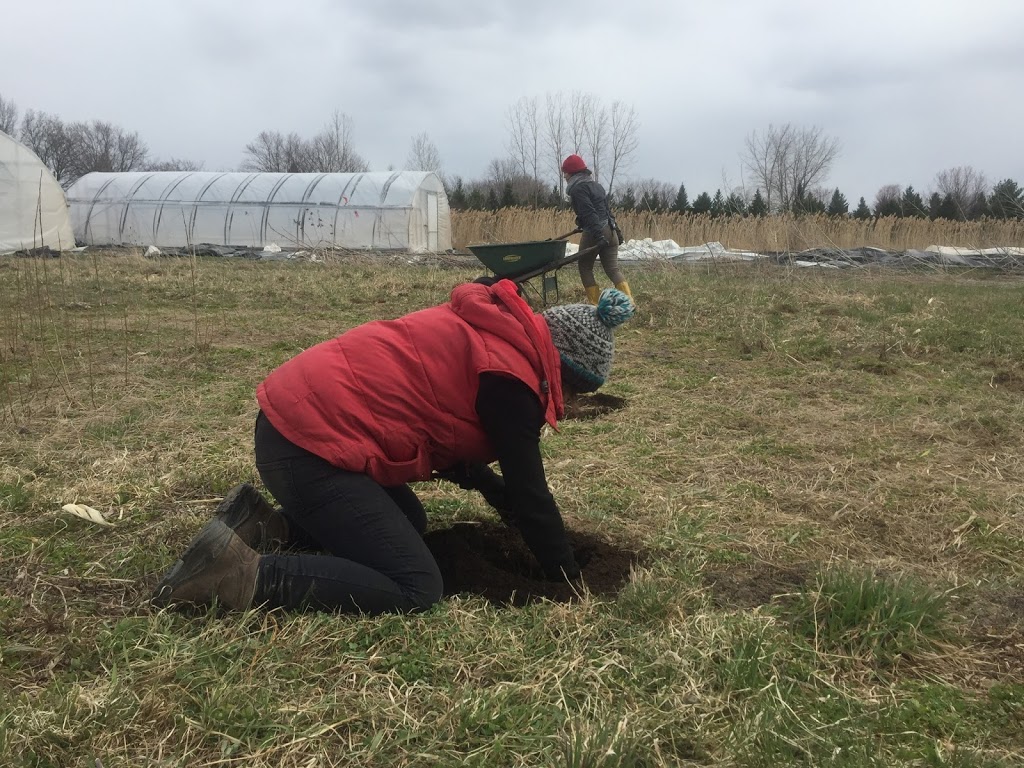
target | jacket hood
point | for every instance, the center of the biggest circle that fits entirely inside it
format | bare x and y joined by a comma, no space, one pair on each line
490,308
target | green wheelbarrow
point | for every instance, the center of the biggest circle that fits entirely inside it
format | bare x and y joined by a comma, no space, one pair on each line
520,262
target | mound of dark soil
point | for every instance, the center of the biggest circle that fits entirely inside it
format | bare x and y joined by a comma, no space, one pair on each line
490,560
583,407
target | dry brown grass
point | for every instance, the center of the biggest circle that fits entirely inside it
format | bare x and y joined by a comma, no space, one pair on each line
770,234
778,424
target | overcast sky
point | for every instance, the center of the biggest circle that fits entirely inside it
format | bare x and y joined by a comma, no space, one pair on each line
909,87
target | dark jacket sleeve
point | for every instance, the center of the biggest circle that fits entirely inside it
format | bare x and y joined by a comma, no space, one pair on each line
512,417
590,213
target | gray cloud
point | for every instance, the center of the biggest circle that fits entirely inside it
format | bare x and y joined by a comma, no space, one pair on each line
909,87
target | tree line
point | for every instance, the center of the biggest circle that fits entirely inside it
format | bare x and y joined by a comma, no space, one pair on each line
785,167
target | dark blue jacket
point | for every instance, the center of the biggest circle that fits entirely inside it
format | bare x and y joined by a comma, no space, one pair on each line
590,203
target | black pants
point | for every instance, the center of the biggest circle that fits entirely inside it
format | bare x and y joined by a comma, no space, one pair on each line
375,561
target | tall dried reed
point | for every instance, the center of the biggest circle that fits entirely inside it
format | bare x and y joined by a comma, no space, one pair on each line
768,234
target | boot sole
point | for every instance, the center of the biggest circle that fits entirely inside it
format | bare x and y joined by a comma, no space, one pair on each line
238,505
206,547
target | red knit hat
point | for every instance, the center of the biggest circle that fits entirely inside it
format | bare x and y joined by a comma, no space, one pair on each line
573,164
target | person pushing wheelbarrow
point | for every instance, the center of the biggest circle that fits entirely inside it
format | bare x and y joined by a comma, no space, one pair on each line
595,221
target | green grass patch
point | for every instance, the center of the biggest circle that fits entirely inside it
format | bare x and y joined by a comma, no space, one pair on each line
865,615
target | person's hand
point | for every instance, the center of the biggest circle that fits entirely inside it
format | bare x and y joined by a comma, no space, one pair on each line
481,478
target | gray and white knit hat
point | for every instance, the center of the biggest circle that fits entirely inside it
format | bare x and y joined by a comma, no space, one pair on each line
582,334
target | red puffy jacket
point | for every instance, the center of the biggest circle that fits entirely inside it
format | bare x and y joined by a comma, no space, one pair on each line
395,399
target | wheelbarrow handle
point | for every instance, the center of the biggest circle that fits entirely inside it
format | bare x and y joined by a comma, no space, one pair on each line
567,234
551,266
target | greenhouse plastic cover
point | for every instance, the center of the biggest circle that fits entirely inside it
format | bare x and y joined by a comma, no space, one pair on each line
392,210
33,209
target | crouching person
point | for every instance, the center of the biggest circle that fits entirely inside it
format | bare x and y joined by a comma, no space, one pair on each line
345,426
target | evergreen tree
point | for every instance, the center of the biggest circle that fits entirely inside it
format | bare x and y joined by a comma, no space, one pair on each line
1007,200
888,206
758,207
457,199
979,208
838,205
554,199
735,205
718,204
808,204
862,212
911,204
492,199
702,204
475,200
934,205
628,201
682,203
948,209
508,196
650,201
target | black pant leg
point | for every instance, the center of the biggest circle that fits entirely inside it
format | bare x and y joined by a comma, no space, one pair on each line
378,561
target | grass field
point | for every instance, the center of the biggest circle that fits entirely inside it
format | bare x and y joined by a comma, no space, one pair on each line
824,469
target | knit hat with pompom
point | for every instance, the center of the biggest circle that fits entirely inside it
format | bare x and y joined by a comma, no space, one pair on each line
582,334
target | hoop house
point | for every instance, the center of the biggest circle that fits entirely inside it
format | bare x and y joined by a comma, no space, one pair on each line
402,210
33,209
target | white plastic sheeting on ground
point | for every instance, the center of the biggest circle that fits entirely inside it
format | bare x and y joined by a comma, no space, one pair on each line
646,249
952,250
33,209
399,210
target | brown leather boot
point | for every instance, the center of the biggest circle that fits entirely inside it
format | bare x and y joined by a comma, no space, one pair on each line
217,566
251,517
593,293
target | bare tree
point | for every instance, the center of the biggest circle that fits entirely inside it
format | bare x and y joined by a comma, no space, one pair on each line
525,136
105,147
423,155
333,149
596,131
579,123
504,174
580,105
555,131
174,164
330,151
52,141
501,170
653,195
8,116
887,200
624,141
273,152
787,162
964,186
